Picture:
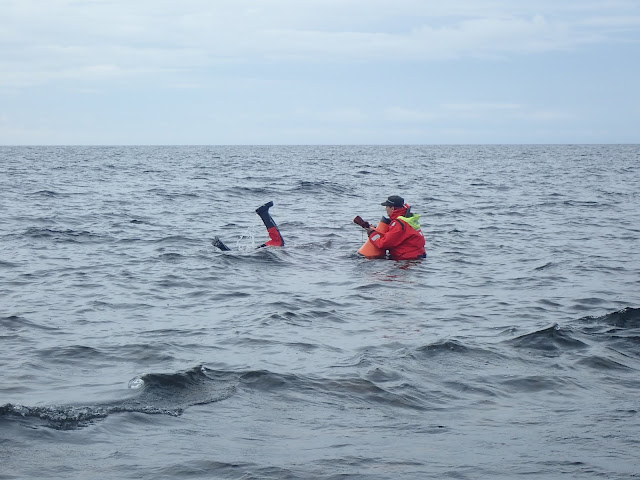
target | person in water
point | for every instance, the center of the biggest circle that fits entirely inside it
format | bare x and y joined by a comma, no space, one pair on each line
403,239
275,239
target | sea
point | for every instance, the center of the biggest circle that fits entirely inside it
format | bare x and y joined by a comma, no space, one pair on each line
132,348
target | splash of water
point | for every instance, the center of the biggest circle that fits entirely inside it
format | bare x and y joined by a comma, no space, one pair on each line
247,241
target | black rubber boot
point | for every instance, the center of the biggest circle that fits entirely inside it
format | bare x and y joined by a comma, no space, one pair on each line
216,242
264,208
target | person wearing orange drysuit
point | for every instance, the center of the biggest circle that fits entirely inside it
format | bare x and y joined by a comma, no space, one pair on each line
275,239
403,239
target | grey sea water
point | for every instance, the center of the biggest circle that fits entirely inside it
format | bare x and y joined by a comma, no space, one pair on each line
132,348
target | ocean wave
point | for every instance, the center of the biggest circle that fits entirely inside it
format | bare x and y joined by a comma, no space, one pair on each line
602,363
608,342
353,390
178,240
17,323
546,266
69,354
456,349
242,192
204,469
153,394
582,203
271,257
70,417
171,257
551,339
81,354
444,346
45,193
320,187
627,318
62,236
537,383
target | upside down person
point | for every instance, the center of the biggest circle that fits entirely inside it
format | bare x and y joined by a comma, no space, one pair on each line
275,239
403,239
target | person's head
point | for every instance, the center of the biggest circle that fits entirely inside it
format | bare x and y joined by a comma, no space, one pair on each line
392,202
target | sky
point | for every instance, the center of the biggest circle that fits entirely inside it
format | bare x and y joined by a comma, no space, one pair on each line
300,72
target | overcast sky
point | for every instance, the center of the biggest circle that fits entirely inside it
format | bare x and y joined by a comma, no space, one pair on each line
103,72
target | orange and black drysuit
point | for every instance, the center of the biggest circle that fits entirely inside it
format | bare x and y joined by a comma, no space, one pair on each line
403,239
272,229
275,239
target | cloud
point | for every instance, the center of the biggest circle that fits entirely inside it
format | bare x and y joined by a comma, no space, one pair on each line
300,116
485,111
506,112
470,107
243,71
548,115
51,40
336,118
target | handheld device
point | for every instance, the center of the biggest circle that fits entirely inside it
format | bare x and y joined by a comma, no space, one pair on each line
359,221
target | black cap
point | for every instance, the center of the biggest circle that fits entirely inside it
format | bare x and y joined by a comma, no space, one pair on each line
393,201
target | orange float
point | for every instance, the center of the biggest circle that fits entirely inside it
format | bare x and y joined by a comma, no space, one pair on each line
369,250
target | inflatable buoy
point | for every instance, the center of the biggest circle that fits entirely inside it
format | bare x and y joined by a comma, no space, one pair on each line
369,250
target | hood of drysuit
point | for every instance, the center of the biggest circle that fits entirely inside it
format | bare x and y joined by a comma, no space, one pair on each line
412,219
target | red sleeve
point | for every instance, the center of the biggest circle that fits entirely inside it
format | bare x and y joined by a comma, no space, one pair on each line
392,238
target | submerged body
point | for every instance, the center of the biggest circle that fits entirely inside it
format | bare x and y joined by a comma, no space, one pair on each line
275,239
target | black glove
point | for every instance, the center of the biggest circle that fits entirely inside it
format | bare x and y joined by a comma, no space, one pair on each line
359,221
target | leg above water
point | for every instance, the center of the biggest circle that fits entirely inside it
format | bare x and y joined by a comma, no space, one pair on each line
276,239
